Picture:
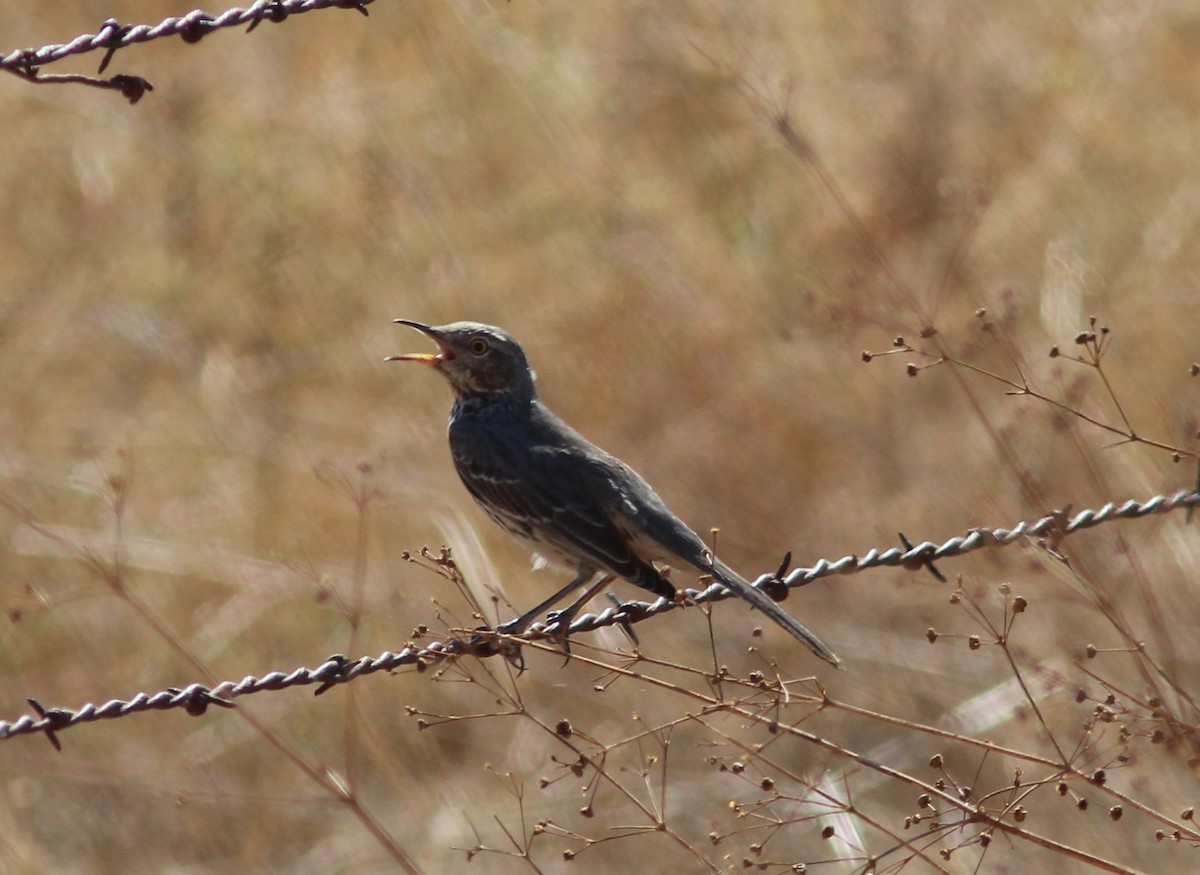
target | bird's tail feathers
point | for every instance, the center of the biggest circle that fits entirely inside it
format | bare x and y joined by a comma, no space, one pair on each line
759,599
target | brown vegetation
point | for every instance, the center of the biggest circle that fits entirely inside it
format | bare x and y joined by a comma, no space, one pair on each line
695,216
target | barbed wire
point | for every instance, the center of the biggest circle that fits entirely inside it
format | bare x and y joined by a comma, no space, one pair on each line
113,35
1049,531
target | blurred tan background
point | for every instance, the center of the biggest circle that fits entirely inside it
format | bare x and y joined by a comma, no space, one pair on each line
196,295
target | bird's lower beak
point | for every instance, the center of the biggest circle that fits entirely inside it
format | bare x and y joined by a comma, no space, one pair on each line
431,359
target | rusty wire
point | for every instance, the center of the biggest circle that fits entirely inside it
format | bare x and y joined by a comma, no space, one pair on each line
1047,531
113,35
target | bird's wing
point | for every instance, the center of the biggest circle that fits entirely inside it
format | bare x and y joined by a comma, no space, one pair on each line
548,493
662,535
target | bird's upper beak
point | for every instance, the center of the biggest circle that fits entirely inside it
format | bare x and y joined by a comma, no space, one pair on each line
432,359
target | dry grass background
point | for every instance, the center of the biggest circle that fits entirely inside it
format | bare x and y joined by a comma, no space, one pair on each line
195,295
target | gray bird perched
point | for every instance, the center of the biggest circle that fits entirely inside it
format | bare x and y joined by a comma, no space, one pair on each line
554,490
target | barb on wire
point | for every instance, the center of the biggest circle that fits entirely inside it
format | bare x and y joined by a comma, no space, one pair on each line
112,36
340,669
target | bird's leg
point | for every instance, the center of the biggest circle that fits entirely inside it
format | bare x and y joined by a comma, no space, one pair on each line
521,623
566,616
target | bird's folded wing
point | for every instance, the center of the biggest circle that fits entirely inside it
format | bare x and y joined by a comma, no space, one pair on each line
546,496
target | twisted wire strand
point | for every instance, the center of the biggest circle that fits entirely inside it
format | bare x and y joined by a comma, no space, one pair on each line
339,669
113,36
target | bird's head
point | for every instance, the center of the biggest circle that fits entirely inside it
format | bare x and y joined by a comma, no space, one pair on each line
475,359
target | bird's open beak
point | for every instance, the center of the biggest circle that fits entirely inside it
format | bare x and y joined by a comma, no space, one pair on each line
432,359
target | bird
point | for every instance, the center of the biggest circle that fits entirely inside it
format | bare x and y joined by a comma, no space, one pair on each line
540,480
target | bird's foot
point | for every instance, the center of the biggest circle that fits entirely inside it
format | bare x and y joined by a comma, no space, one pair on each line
563,619
510,650
513,627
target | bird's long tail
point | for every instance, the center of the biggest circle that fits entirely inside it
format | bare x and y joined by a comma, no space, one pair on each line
755,596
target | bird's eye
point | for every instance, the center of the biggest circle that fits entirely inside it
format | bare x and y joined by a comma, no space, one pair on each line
478,346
